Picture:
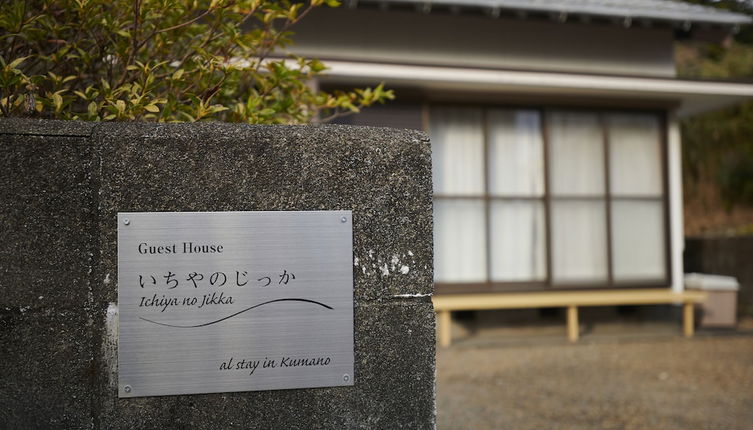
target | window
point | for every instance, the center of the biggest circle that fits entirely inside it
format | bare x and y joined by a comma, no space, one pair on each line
527,198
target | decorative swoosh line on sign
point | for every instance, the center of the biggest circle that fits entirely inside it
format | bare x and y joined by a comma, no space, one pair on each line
237,313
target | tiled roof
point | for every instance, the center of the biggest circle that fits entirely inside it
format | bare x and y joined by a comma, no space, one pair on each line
650,10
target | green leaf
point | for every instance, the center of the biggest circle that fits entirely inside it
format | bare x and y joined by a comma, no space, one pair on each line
217,108
57,101
17,62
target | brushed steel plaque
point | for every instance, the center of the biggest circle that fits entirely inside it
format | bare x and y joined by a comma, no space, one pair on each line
234,301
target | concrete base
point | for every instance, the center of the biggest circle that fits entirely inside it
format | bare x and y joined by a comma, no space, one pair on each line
63,184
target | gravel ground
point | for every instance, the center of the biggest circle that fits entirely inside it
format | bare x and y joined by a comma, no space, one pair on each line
666,383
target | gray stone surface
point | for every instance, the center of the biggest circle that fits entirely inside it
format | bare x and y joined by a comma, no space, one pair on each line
46,368
66,189
47,208
46,127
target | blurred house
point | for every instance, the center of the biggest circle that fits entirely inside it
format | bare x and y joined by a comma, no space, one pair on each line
554,128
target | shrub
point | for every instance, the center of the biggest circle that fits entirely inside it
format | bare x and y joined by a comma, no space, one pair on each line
163,60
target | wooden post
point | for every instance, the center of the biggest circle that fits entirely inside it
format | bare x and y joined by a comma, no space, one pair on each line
572,323
687,319
444,327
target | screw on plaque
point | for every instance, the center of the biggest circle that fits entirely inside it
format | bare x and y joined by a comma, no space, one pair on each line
126,221
346,377
343,219
127,388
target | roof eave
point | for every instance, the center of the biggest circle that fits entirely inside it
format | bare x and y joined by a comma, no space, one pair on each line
689,96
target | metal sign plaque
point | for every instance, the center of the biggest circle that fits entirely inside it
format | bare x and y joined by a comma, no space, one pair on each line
234,301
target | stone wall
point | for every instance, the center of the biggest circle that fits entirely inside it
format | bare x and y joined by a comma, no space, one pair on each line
63,184
731,256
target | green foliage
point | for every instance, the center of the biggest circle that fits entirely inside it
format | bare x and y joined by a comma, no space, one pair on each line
736,179
163,60
718,146
730,61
